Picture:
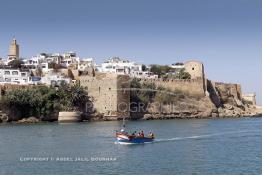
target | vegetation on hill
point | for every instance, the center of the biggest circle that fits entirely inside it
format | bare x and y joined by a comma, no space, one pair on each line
160,70
169,72
143,93
181,74
41,102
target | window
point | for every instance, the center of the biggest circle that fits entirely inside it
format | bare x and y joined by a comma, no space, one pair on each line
15,73
7,72
23,74
193,68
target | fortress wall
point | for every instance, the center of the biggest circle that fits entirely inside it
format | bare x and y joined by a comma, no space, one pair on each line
74,74
228,89
195,87
123,94
239,91
250,98
106,93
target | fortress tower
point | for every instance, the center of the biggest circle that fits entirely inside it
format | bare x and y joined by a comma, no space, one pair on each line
13,50
195,69
109,92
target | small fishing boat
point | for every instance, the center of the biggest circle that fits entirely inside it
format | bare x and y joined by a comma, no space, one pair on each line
124,138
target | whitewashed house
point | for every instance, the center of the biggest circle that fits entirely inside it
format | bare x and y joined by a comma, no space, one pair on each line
118,66
54,79
144,74
14,76
85,63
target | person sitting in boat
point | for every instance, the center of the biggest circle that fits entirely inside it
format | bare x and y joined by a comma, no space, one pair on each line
151,135
142,134
134,134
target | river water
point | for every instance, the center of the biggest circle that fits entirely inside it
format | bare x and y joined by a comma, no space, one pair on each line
203,146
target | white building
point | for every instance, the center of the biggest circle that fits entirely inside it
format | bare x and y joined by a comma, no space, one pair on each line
44,61
144,74
118,66
69,59
85,63
32,63
54,79
251,98
14,76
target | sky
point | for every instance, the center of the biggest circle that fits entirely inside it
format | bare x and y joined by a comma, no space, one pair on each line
226,35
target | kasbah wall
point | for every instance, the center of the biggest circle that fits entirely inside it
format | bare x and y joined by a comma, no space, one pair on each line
111,97
109,93
196,86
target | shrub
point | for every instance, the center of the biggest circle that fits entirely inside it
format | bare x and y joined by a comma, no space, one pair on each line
44,101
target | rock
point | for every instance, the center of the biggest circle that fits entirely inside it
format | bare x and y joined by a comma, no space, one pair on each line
229,107
214,115
4,117
28,120
239,103
147,117
220,110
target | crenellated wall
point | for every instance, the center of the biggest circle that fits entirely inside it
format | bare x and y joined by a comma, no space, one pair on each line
195,87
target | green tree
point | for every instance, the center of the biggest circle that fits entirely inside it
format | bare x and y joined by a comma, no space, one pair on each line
72,97
160,70
155,69
44,101
141,93
16,64
26,102
183,74
144,67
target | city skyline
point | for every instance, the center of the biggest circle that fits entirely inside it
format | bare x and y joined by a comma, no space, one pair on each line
225,36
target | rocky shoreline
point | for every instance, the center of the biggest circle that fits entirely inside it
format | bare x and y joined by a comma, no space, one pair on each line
184,115
188,109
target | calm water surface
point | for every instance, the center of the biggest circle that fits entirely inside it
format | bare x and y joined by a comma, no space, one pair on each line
221,146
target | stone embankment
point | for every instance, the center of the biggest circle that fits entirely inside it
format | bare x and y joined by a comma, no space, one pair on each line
66,116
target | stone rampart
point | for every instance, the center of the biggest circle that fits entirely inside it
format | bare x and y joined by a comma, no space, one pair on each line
194,87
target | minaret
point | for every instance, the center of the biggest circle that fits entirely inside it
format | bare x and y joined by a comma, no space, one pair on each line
13,50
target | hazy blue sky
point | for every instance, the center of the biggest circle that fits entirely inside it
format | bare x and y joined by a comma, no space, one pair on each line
224,34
